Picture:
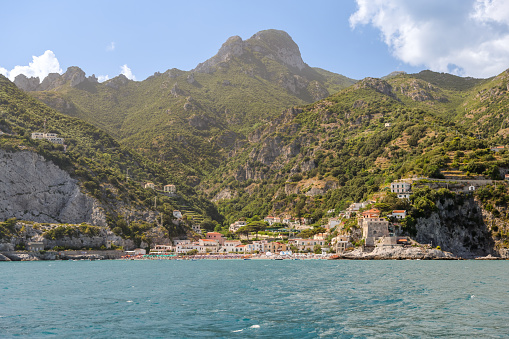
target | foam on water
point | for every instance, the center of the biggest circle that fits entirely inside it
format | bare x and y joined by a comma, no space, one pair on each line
304,299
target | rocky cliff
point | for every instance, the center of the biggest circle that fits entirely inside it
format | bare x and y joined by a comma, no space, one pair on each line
274,44
456,226
74,76
34,189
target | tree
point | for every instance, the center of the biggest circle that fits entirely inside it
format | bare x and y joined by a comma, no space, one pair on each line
317,249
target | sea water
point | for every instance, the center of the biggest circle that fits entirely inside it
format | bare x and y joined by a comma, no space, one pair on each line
254,298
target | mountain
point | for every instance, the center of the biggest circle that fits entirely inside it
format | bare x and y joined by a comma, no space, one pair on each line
85,180
190,120
351,145
259,132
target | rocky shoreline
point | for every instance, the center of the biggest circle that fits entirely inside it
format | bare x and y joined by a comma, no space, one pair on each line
64,255
407,253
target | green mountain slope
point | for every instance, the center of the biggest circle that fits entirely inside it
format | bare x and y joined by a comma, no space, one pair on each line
194,118
351,145
94,158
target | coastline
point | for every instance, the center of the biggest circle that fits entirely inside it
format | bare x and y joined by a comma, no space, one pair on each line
378,253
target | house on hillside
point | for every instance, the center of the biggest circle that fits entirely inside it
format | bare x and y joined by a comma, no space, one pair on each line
35,246
51,137
402,189
216,236
372,213
150,185
236,225
177,214
341,243
320,236
497,148
169,189
269,219
333,222
399,214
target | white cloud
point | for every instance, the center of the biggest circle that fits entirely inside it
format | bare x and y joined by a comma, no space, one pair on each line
40,67
127,72
103,78
468,38
111,47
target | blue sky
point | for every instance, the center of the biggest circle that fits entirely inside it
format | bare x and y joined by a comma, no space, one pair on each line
356,38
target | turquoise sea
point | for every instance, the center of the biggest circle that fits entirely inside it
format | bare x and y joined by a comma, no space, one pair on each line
254,298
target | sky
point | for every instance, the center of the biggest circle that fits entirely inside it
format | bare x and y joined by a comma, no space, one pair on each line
356,38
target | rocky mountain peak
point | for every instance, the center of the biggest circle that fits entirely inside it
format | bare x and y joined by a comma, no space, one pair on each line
233,47
279,45
378,85
25,83
117,81
74,75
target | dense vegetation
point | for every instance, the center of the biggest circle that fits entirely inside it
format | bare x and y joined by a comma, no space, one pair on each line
98,161
351,145
189,121
228,132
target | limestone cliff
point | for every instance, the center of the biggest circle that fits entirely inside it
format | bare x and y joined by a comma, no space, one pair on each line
34,189
74,76
456,226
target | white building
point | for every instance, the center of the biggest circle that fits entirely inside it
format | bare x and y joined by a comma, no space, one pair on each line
399,214
306,244
236,225
170,188
269,219
177,214
181,242
402,189
150,185
229,246
333,222
162,249
51,137
341,243
209,245
35,246
240,249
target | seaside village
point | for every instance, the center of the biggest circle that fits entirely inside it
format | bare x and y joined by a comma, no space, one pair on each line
286,235
282,236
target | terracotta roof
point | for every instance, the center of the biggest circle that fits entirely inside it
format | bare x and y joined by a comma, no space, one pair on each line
399,211
213,233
